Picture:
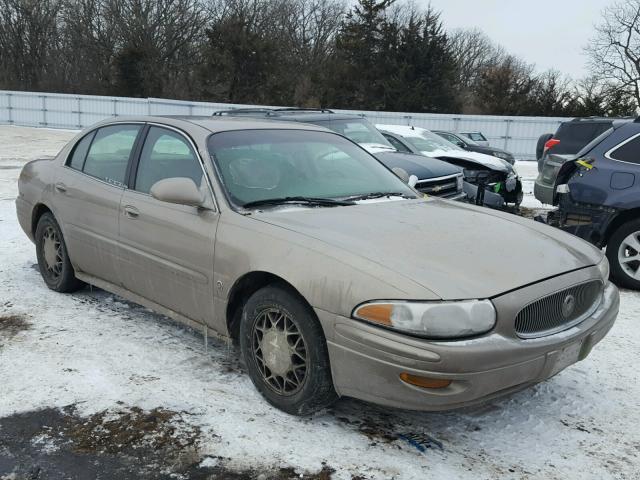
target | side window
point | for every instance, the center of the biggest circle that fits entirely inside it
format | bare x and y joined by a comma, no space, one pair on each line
109,153
76,161
629,152
166,154
397,144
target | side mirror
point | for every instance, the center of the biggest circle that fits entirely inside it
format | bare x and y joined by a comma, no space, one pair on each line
179,190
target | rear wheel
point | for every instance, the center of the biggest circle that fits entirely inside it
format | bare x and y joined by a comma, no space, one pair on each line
53,260
285,352
623,252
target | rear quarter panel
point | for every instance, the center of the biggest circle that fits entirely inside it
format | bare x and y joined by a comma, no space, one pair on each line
34,188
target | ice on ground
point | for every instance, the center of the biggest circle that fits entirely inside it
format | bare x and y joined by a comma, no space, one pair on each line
97,352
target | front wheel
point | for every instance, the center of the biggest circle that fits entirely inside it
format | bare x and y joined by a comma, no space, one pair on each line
285,351
623,252
53,260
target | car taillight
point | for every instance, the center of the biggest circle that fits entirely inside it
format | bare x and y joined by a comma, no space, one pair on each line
552,142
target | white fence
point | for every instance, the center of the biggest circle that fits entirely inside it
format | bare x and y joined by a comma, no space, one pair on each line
54,110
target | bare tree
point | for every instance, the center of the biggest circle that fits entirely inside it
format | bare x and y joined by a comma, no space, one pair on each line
28,36
614,52
473,51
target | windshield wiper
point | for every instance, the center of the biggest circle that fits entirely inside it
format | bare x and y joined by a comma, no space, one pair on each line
369,196
324,202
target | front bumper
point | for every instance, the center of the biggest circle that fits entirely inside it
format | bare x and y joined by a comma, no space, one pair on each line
366,361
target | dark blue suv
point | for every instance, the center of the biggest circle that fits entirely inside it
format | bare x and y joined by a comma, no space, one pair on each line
598,198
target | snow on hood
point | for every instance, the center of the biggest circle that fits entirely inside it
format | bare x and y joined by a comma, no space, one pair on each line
447,248
377,147
490,161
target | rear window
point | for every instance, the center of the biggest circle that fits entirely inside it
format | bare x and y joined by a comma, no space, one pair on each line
628,152
574,136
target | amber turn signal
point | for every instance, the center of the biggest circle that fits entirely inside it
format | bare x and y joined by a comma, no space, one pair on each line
425,382
377,313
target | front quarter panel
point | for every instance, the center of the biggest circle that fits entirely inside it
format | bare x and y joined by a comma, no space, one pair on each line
328,278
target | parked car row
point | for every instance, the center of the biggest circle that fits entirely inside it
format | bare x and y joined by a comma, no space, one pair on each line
334,276
590,170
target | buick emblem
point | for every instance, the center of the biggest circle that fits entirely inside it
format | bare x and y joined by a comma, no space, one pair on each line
568,306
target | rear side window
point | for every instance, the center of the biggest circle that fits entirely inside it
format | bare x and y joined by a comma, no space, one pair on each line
628,152
80,152
166,154
574,136
109,153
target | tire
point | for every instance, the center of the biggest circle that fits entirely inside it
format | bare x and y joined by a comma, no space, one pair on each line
51,250
619,247
540,145
295,338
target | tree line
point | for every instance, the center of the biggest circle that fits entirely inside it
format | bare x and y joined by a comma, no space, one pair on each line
374,55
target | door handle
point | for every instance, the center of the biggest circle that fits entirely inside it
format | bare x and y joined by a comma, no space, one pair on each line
131,212
61,187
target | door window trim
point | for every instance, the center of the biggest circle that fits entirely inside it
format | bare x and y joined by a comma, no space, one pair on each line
131,178
93,132
619,145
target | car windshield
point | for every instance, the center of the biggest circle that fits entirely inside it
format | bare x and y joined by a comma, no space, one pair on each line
426,141
358,130
468,140
295,165
477,136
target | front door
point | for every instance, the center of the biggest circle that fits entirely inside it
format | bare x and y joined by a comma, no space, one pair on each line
167,249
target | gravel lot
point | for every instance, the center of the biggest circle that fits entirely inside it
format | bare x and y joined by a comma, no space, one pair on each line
94,387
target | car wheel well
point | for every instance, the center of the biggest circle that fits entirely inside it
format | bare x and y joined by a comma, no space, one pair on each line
246,286
620,220
39,210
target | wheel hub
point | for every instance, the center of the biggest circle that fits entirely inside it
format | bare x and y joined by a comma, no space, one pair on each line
50,252
277,352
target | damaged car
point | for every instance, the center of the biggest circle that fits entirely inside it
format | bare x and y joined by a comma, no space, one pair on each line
597,194
335,277
489,181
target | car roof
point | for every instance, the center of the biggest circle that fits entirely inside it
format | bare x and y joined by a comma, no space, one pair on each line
287,114
212,124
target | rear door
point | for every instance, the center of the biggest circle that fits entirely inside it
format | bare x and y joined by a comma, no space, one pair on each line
87,198
167,249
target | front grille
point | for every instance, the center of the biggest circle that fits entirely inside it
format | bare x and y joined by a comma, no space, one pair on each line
439,187
559,311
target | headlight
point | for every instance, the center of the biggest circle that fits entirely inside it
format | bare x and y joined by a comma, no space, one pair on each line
504,156
438,320
459,182
603,266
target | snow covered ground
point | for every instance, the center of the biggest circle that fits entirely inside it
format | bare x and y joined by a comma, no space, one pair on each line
95,352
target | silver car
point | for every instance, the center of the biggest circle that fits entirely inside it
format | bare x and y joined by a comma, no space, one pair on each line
334,276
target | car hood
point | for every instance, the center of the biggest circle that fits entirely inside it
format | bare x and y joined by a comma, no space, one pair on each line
418,165
455,251
489,161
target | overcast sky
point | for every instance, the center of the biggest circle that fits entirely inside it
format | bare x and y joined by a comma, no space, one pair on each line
549,33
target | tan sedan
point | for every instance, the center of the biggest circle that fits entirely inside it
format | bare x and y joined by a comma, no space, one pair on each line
334,276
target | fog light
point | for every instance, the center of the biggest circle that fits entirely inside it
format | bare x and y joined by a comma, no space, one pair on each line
424,382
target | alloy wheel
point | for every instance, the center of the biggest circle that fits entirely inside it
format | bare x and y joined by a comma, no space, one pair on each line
629,255
279,351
